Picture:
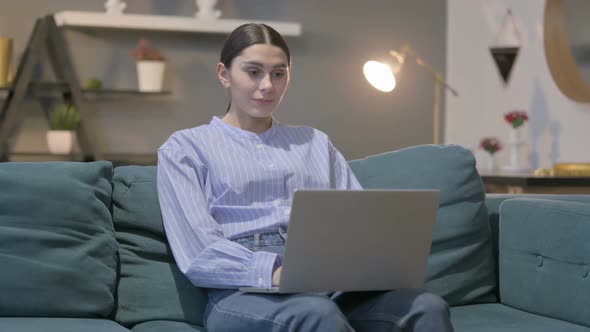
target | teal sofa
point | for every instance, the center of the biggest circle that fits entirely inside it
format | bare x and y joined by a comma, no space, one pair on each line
82,248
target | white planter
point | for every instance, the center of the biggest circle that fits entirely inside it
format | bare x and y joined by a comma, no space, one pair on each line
150,75
60,141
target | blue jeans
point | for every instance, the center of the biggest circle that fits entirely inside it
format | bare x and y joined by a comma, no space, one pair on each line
396,310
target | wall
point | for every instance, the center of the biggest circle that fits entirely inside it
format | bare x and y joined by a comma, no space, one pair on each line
327,90
558,129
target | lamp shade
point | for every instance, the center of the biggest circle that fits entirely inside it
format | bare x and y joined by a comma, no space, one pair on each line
379,75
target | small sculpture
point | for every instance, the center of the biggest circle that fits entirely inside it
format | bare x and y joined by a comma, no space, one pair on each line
206,10
115,6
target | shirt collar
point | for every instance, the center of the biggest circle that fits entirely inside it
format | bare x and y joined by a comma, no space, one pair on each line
217,122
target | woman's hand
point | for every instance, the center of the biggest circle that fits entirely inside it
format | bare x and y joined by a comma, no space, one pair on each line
276,276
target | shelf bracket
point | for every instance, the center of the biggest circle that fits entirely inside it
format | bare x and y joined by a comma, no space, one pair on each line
46,39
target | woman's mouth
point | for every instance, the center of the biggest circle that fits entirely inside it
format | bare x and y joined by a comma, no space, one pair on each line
264,101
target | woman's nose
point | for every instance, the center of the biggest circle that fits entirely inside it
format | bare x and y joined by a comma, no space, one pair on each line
266,83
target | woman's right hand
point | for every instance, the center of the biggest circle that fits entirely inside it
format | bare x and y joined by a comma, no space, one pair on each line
276,276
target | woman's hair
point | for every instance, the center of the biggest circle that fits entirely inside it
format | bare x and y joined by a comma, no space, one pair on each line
247,35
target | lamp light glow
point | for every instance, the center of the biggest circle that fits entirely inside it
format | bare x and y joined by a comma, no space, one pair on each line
379,75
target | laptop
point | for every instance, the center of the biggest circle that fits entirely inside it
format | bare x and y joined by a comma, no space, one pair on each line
357,240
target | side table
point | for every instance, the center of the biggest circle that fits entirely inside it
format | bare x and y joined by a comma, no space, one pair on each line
528,183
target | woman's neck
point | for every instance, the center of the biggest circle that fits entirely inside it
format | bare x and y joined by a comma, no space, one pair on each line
249,123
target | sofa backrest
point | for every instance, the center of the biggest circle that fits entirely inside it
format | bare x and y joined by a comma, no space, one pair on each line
461,267
150,287
58,253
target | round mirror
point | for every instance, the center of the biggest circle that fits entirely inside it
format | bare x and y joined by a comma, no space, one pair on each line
567,46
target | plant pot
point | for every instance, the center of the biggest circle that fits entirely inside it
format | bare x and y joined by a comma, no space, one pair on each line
60,141
150,75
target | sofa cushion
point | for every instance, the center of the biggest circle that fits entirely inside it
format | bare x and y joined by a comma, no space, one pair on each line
545,258
151,287
497,317
166,325
461,267
30,324
58,251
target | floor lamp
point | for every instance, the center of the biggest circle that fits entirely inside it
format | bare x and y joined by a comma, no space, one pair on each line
381,75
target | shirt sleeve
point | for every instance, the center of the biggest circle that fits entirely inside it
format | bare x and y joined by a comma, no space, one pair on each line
199,247
341,175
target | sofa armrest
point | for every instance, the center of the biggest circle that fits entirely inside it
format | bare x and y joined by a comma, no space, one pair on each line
544,257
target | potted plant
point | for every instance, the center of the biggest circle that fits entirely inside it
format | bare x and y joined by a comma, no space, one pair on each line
150,66
63,122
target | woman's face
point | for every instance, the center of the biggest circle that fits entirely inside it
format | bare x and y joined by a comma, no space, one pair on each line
256,80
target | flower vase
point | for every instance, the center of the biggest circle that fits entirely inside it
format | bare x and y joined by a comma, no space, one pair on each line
491,162
515,144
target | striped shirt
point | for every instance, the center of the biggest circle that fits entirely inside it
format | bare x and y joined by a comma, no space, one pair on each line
217,182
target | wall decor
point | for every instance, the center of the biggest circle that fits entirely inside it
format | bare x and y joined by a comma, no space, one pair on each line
504,56
566,43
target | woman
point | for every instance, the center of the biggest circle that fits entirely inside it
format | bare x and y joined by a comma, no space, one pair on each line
225,192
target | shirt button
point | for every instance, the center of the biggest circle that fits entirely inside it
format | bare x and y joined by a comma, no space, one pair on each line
260,280
287,211
259,146
276,202
272,166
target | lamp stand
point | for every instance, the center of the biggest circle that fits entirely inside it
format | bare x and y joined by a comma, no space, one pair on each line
436,111
439,84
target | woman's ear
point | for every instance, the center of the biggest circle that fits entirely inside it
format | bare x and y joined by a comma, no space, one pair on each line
223,75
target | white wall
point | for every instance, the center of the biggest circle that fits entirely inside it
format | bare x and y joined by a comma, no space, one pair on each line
558,130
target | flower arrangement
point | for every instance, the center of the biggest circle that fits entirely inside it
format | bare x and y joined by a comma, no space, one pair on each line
144,51
490,144
516,118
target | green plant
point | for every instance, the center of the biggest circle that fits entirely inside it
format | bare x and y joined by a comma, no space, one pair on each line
94,83
64,117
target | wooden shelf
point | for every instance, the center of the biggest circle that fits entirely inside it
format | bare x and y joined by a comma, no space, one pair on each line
164,23
48,89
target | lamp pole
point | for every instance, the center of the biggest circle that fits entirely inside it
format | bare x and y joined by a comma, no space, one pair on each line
436,111
439,84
